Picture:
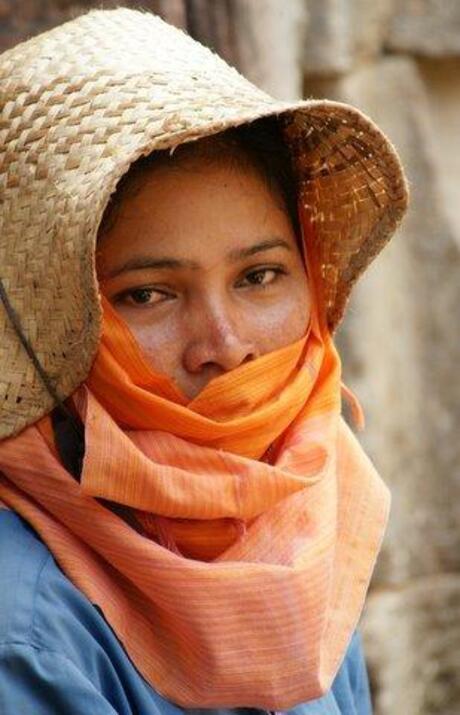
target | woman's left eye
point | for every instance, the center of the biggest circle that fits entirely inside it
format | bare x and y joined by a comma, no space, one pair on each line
262,276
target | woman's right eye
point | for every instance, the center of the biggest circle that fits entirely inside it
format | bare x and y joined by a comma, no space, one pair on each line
142,296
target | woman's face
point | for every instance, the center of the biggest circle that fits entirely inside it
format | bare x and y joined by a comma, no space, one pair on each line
203,265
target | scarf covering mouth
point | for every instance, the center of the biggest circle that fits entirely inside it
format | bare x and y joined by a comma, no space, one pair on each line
260,517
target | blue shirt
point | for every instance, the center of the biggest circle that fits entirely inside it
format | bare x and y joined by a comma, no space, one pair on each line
59,656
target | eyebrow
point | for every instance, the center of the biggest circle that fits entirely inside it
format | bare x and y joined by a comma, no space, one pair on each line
142,262
239,253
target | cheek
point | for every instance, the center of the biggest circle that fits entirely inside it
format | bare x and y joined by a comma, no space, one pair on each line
284,322
161,344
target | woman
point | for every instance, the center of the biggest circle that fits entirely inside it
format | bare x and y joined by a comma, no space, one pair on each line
195,525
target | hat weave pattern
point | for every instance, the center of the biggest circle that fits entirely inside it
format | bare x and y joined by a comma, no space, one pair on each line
79,104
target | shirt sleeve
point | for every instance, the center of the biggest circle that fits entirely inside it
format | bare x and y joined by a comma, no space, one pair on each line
42,682
352,688
360,680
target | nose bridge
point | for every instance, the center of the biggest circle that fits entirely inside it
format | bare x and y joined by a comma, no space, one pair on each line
218,334
217,319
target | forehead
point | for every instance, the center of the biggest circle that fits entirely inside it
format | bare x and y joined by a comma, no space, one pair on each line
191,180
200,211
250,148
195,196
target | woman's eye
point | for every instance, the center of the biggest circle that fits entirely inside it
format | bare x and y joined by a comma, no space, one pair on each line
262,276
142,296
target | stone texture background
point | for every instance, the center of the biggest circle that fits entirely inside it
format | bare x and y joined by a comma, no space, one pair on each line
399,61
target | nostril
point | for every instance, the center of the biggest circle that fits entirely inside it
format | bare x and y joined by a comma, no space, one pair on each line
218,351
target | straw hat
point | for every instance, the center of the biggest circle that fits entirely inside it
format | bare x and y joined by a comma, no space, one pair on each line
80,104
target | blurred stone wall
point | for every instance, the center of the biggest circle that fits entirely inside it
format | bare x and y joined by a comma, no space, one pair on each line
399,61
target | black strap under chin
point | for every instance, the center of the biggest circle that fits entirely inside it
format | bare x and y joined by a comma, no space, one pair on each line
70,441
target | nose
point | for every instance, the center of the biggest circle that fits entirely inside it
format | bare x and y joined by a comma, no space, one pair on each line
217,345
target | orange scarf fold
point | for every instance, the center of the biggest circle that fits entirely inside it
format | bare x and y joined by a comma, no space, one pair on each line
261,519
242,412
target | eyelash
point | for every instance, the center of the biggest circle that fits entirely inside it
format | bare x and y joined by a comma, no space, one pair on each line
277,270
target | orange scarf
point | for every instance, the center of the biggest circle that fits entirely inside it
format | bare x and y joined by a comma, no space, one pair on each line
262,519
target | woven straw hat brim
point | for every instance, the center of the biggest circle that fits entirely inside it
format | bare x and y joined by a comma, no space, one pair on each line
81,103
